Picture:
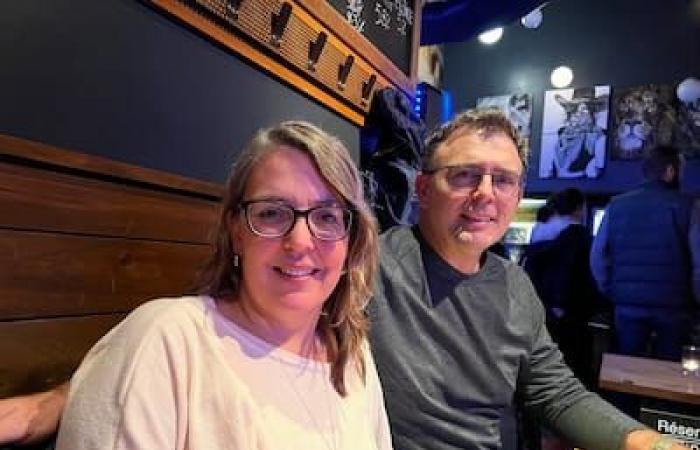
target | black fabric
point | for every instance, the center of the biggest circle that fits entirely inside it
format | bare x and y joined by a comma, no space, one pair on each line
561,274
392,148
560,271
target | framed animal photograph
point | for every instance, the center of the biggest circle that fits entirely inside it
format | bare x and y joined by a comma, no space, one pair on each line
643,117
517,107
574,132
687,130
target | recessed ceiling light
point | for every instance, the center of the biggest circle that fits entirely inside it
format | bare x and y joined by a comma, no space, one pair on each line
491,36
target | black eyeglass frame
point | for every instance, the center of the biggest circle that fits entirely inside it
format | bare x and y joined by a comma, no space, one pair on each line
348,214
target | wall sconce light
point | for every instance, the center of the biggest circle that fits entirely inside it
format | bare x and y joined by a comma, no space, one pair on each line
492,36
279,23
315,49
344,71
533,19
688,91
561,77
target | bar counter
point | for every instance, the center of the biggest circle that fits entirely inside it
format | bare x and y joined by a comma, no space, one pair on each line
649,378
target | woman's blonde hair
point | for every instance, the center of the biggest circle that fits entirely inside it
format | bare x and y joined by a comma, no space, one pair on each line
343,325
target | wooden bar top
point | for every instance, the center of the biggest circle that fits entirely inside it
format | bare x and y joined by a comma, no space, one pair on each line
649,377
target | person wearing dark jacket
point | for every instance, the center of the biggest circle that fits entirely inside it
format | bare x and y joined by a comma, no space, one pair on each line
645,258
559,270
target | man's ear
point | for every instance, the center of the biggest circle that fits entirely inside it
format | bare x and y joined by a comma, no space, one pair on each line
423,188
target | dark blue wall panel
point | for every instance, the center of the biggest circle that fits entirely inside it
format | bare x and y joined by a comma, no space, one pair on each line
119,79
615,42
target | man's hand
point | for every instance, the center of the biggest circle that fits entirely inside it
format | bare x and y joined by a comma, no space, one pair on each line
645,440
31,418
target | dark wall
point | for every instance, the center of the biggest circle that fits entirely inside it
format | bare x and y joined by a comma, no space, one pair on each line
119,79
615,42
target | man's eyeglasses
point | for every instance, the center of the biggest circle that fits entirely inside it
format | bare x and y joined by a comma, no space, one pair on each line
466,178
272,219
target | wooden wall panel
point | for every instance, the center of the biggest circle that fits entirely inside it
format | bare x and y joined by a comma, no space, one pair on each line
22,151
248,33
83,240
47,274
36,199
37,354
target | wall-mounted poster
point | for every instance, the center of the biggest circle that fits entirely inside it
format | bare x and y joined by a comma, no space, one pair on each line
687,133
643,117
518,108
574,132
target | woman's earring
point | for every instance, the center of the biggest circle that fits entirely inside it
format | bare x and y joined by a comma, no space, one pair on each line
235,260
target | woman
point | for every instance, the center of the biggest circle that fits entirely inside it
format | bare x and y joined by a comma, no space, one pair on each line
273,353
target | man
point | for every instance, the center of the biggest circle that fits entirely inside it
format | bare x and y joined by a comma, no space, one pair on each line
645,258
558,267
458,333
562,210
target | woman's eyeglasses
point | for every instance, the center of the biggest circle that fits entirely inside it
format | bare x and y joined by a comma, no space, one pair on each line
273,219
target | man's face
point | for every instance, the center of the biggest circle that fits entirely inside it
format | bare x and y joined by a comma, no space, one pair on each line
461,220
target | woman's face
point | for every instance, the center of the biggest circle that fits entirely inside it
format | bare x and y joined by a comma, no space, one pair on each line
295,273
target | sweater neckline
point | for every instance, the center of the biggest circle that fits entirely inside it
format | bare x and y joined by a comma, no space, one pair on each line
434,263
259,346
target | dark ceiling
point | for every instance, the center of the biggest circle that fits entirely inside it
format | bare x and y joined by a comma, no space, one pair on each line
460,20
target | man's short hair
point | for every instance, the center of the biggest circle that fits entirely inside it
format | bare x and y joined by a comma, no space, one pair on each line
658,159
484,121
569,200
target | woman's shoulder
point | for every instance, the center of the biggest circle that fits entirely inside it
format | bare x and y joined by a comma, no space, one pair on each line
171,306
165,316
168,309
158,330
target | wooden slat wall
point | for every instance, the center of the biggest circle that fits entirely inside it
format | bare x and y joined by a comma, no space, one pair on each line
49,274
37,354
84,240
42,200
249,35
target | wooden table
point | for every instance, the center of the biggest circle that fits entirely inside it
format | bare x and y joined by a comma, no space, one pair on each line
649,377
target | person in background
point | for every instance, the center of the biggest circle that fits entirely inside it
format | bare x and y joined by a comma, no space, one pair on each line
571,210
559,270
459,333
646,259
272,354
542,217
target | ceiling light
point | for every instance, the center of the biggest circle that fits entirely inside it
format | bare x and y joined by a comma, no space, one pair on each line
491,36
561,77
688,90
533,19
